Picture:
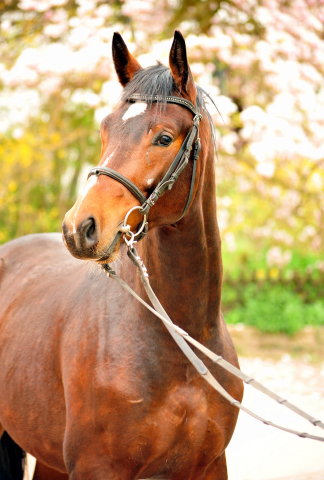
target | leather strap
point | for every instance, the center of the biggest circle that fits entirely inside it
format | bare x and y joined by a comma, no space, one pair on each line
137,97
121,179
195,156
176,167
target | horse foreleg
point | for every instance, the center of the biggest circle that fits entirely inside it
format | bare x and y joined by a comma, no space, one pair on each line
42,472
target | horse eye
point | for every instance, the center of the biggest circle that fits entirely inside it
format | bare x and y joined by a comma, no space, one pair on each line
165,140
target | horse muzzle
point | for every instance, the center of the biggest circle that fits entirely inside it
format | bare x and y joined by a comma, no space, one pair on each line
83,242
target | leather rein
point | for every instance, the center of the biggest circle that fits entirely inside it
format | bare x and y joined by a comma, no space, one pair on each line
181,337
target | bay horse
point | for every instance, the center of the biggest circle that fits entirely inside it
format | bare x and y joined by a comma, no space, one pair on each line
92,384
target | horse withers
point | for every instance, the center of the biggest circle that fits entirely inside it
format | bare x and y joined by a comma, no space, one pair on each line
92,384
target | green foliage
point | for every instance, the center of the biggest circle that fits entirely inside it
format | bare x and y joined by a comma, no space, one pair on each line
270,308
40,169
250,257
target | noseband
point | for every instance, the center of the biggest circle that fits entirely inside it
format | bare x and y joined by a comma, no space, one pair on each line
179,163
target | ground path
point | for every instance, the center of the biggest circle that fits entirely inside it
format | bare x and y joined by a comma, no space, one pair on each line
260,452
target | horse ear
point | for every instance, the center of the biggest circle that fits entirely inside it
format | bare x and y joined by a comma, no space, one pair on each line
180,69
125,64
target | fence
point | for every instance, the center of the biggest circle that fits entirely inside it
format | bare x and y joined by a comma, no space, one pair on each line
308,286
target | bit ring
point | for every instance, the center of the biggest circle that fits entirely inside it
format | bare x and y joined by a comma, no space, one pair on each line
126,228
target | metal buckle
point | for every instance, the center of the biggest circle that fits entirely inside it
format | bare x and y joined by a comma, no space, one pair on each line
197,117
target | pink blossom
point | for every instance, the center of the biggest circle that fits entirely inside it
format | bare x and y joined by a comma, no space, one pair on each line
228,143
85,6
276,257
266,168
226,107
104,11
59,15
57,3
50,85
40,5
6,25
55,30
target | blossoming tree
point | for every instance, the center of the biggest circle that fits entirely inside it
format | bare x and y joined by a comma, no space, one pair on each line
261,61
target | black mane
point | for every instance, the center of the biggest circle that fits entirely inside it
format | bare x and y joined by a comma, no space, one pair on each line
157,80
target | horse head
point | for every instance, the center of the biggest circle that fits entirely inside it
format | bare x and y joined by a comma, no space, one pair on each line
140,140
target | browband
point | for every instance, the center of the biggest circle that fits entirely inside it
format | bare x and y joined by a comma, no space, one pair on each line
137,97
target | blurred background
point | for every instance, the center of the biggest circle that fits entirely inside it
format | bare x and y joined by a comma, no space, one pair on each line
262,62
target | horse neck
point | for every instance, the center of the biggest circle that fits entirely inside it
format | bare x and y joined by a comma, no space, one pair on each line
184,262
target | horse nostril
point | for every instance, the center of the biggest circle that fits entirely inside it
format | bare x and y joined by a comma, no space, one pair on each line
91,229
88,233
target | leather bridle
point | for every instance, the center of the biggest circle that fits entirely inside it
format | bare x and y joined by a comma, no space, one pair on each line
178,164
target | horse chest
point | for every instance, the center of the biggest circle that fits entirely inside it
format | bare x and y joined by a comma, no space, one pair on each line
159,429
